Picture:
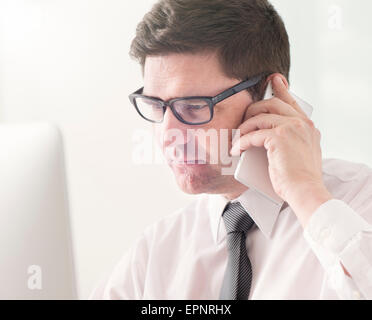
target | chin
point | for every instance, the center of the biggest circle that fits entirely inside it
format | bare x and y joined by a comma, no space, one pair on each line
192,189
199,181
191,184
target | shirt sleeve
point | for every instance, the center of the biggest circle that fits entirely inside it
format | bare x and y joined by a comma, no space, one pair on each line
338,234
126,281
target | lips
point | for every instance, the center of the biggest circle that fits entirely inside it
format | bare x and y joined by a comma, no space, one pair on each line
187,161
179,156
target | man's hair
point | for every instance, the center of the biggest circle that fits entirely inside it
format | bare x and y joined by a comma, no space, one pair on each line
248,36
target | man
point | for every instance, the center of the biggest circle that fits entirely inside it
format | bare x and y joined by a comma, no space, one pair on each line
232,242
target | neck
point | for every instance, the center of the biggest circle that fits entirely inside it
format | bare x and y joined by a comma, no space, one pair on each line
238,191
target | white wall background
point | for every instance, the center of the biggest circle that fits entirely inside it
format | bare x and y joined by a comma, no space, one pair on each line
67,62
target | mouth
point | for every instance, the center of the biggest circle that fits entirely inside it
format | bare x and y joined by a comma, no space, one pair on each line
195,162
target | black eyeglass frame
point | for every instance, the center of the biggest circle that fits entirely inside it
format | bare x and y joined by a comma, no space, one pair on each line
212,101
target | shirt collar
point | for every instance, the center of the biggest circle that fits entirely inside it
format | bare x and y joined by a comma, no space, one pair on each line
263,211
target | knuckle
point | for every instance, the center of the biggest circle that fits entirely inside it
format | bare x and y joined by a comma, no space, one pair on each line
275,100
299,123
262,114
281,131
260,117
270,144
309,122
318,133
293,102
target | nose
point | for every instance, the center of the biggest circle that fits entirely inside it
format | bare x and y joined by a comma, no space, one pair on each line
171,127
175,141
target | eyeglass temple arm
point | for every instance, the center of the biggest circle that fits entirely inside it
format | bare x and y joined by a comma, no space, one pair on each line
239,87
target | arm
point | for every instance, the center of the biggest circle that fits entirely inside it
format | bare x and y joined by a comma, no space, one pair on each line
338,235
342,240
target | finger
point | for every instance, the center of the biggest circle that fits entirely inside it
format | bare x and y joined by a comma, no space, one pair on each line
253,139
262,121
273,106
281,92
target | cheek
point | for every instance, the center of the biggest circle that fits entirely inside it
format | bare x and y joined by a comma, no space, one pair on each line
156,132
228,117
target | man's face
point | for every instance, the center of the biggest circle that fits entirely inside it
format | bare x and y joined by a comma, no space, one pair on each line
185,75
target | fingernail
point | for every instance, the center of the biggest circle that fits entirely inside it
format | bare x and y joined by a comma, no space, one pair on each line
235,137
279,80
235,150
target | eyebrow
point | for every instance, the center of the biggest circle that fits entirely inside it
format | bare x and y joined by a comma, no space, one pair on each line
223,95
156,97
151,96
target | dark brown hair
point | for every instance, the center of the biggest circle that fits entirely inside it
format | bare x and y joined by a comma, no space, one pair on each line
248,36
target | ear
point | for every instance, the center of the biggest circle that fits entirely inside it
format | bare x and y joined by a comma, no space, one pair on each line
271,77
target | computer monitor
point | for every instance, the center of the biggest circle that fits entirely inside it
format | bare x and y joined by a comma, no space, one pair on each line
36,255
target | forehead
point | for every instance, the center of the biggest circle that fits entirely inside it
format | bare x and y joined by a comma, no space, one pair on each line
180,75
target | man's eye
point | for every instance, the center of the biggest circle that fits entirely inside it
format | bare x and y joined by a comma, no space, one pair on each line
156,106
196,107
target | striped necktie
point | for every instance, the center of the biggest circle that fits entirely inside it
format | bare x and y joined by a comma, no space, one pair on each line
238,275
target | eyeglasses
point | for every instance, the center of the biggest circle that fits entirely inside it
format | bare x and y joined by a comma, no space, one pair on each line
188,110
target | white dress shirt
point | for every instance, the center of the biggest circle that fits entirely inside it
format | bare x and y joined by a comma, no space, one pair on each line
184,255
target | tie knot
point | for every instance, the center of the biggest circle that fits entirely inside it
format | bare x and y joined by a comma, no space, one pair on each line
236,218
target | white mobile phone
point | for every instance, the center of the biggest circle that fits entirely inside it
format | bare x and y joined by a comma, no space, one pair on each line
252,169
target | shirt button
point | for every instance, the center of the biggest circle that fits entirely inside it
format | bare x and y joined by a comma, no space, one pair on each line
356,295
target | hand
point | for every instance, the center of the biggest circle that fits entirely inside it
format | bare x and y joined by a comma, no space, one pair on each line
293,149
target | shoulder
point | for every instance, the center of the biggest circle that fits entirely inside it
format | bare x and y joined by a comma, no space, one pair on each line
337,172
345,171
350,182
150,250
